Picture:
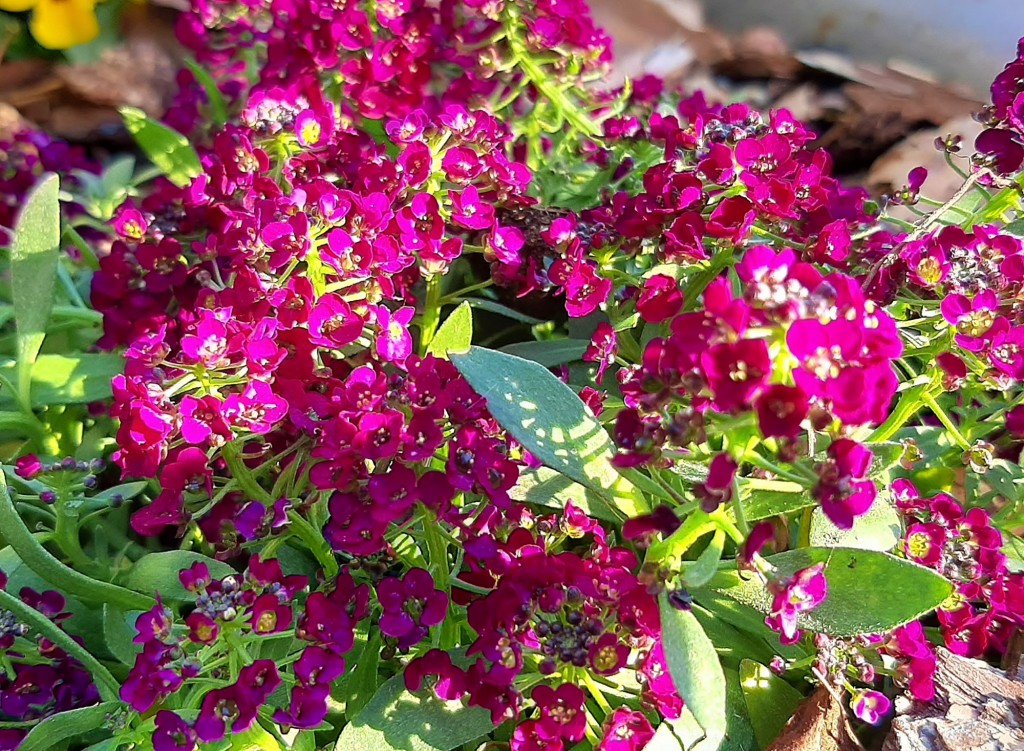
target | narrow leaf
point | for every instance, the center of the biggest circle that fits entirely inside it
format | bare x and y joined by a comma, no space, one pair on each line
694,667
546,417
455,334
549,353
868,592
770,700
118,633
168,149
34,258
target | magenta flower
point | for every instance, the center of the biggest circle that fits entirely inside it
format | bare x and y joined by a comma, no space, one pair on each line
394,342
411,605
924,543
585,290
843,490
800,594
130,224
626,730
562,712
448,681
607,655
870,706
717,488
469,211
781,410
972,319
659,299
172,733
735,371
332,323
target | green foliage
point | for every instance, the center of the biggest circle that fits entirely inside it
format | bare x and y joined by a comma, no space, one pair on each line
694,667
168,150
868,592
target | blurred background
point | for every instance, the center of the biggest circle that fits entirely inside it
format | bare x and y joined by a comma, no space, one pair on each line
878,79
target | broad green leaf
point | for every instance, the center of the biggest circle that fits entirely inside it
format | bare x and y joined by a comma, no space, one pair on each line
546,487
746,621
879,529
731,643
545,416
168,149
770,700
887,454
763,499
158,573
455,334
75,723
397,720
549,353
694,667
868,592
119,631
74,379
34,257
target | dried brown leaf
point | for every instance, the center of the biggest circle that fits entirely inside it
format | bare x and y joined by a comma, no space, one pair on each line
819,724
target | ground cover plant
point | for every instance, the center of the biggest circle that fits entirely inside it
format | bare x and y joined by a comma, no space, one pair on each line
423,394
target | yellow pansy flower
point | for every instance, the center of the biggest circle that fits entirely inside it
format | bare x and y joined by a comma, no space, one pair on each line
58,24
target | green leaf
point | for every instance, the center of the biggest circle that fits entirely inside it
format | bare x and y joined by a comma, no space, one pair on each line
698,573
168,149
770,700
118,632
74,379
868,592
763,499
74,723
879,529
63,578
546,487
126,490
218,107
503,310
34,257
731,643
549,353
746,621
549,420
361,682
455,334
685,734
396,719
158,573
887,454
694,667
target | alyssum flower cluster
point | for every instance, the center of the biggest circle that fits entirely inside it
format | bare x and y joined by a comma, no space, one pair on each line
335,511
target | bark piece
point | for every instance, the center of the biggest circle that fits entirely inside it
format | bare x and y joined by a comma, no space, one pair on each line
819,724
977,708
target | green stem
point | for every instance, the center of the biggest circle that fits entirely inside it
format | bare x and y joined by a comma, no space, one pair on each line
65,579
106,684
908,405
243,476
431,313
945,419
315,541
